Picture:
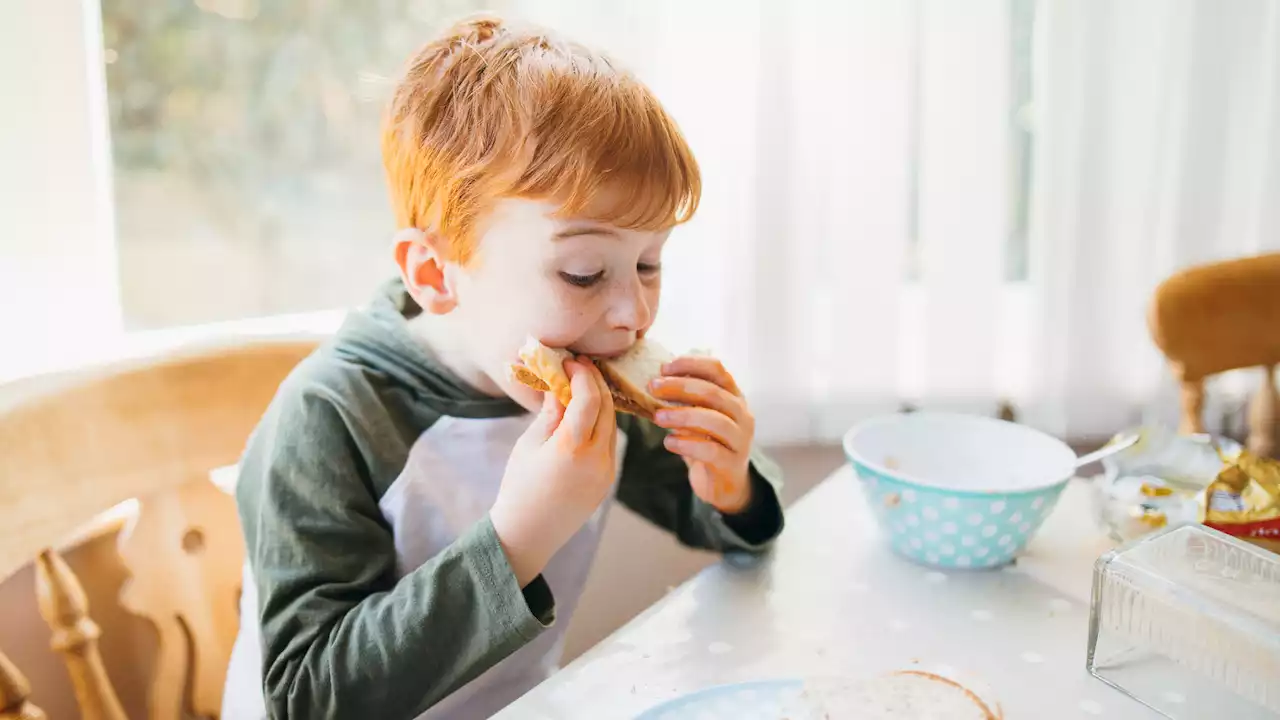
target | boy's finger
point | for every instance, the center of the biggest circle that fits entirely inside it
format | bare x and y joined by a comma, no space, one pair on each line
700,393
706,368
606,422
548,417
700,450
702,421
584,407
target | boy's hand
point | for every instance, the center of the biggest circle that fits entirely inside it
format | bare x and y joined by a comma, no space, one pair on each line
559,472
713,434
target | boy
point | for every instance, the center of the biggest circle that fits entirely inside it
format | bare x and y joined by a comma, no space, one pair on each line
418,525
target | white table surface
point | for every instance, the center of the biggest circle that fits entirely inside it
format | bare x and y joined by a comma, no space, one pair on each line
831,599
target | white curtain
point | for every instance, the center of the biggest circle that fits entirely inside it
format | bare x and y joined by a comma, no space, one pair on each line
836,137
57,262
1159,147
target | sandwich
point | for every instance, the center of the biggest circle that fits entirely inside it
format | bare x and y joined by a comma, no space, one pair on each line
903,694
628,375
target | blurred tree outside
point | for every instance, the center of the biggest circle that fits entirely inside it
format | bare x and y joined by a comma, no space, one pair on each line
248,179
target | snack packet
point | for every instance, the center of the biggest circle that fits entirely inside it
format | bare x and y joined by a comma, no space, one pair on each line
1159,481
1244,500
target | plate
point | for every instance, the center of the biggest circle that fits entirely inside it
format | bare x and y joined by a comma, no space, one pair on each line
760,700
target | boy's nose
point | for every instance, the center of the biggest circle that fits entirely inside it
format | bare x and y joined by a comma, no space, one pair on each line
631,309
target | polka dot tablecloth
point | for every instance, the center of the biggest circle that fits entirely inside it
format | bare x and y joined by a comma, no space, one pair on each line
832,599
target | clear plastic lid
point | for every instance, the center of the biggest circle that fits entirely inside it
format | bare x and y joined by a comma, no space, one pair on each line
1187,621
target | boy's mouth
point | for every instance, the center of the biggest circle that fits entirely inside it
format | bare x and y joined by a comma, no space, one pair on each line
607,355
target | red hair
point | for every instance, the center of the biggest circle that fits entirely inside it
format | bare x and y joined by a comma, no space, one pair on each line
487,111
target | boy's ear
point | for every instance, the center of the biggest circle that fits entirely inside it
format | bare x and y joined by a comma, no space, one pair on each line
422,266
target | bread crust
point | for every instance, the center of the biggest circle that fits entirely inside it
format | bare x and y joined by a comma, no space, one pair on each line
997,714
542,369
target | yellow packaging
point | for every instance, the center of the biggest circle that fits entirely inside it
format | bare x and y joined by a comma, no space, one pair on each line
1244,500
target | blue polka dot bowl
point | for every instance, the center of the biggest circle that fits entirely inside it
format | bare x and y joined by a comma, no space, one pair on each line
958,491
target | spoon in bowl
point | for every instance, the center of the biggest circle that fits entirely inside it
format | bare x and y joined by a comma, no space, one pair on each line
1108,450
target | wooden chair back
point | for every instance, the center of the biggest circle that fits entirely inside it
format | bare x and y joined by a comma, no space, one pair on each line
1218,317
74,446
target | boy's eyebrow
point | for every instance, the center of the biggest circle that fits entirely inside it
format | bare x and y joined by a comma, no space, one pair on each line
577,230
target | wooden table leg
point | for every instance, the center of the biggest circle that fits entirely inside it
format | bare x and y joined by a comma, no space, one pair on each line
1192,421
1262,416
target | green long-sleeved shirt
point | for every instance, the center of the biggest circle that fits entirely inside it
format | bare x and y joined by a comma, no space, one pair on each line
375,583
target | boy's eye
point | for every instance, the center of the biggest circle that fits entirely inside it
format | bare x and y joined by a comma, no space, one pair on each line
649,268
582,280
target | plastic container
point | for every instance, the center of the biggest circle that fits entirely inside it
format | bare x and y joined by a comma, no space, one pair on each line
1187,621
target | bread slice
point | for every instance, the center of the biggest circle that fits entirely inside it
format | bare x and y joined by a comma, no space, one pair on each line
542,368
901,695
628,376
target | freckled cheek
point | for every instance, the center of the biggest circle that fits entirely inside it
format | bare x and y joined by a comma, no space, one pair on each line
564,316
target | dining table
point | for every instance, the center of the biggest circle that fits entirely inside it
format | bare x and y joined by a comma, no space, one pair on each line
830,599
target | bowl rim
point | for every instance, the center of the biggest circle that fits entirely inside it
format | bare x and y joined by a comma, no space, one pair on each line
897,475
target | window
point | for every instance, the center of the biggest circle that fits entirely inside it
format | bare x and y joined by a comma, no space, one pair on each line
244,135
247,174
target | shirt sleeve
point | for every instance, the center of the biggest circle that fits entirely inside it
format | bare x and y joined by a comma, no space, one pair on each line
655,484
341,635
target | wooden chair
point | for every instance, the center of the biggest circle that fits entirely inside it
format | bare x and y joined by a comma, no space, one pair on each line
1219,317
74,446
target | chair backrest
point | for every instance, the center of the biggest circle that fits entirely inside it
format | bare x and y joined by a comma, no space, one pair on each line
1218,317
76,445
